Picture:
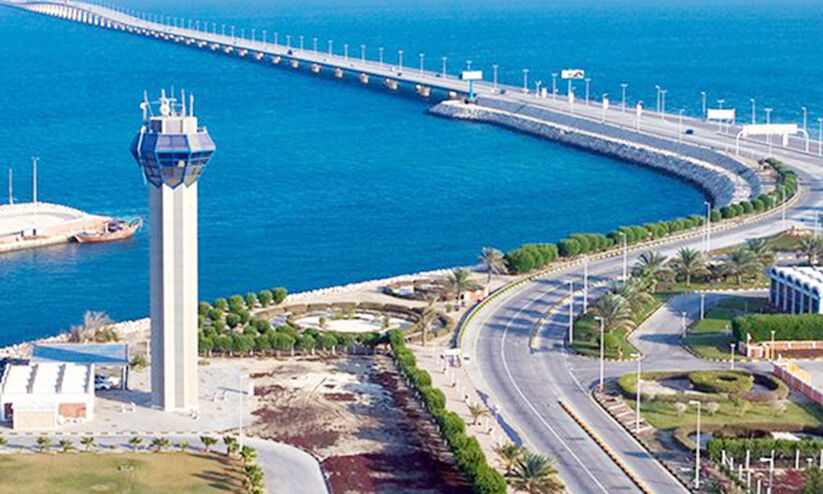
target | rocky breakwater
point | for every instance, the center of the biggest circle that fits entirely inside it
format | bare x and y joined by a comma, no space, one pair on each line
721,183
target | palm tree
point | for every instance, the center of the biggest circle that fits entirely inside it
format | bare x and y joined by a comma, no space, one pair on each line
493,262
427,317
615,312
183,446
458,281
231,445
652,265
688,263
65,445
536,474
510,454
160,443
208,442
477,411
87,442
741,262
811,247
248,454
135,443
43,443
762,250
253,479
635,292
3,442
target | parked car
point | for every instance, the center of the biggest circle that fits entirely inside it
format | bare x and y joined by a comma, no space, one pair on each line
104,382
689,131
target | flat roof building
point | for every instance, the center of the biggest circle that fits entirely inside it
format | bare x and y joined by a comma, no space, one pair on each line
796,289
46,394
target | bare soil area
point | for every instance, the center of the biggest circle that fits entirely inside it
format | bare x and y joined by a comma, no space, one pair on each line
358,417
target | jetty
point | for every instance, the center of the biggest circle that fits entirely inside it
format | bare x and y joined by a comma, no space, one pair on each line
38,224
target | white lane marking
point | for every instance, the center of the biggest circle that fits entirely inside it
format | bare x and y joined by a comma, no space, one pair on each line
529,403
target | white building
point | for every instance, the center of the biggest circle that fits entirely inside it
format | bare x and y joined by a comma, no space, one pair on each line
796,289
45,395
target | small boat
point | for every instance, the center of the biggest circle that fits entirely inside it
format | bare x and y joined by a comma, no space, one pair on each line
115,230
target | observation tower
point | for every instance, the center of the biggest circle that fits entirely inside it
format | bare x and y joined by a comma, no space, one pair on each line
172,152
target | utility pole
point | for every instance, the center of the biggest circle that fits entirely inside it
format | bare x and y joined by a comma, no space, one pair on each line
11,191
34,179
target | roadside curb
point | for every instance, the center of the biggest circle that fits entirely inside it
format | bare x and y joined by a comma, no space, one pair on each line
605,447
637,439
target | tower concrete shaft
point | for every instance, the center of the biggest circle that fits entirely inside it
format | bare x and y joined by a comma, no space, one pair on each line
173,151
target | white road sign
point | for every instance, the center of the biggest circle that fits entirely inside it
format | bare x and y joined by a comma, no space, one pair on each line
721,114
472,75
572,74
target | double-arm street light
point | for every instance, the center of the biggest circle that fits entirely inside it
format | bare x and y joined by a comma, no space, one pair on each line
602,352
696,446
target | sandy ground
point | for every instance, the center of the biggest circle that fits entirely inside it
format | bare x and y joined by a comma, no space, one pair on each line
357,416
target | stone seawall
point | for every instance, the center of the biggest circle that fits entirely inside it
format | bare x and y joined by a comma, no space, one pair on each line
723,185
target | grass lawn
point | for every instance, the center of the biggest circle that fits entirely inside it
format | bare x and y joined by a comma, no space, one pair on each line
710,337
779,242
144,473
759,283
662,415
587,333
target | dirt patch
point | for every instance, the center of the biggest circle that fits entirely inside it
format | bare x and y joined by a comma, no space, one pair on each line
358,417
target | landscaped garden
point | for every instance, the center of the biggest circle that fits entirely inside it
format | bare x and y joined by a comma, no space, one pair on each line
736,399
711,338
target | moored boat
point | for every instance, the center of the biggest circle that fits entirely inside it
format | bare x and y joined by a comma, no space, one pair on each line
114,230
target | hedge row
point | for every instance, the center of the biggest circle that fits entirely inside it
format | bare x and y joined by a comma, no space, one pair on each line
783,448
470,458
788,327
735,383
536,256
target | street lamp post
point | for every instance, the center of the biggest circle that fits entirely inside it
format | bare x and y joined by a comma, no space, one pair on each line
585,284
771,349
697,447
754,107
400,59
702,305
571,311
657,101
637,393
301,42
380,50
444,66
494,67
769,136
331,46
805,117
623,87
703,95
363,53
820,136
554,85
680,126
663,103
720,122
683,322
602,353
603,107
708,226
422,55
314,44
625,257
588,82
525,80
770,461
345,51
731,356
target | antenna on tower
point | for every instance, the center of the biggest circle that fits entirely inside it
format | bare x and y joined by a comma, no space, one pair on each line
182,102
11,196
191,104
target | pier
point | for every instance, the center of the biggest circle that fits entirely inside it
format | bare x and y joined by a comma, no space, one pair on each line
38,224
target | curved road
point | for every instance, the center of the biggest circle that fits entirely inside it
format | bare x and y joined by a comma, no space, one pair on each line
525,384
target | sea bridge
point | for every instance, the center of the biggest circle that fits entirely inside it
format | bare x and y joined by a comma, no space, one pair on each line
396,74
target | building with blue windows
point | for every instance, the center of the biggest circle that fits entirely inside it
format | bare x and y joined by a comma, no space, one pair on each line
796,289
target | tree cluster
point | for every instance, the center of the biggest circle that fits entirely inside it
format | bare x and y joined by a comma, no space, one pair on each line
470,458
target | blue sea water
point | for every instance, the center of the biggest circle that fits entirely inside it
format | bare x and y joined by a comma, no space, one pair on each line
318,183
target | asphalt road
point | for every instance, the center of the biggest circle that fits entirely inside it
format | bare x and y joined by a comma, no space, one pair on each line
525,384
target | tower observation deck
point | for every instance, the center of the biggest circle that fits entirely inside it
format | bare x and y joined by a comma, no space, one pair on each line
173,151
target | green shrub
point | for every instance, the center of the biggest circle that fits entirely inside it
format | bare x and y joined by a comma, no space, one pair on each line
221,304
251,300
734,383
265,297
790,327
280,295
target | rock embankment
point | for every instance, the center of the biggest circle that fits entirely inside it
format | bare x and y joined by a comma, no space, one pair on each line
726,181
